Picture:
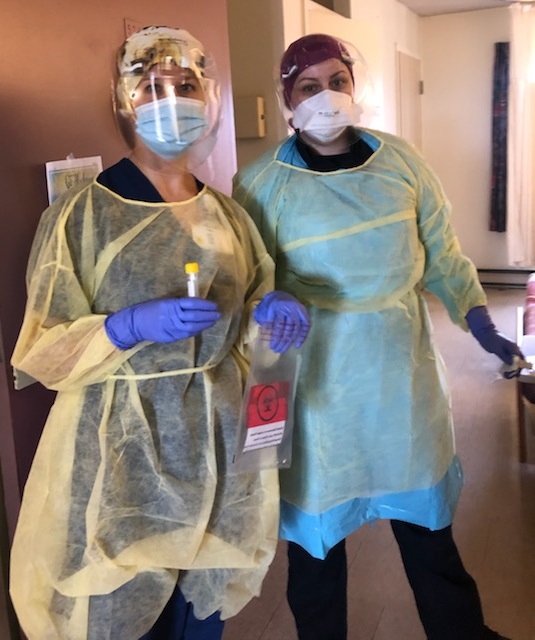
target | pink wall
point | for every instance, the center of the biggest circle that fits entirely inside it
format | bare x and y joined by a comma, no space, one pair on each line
57,61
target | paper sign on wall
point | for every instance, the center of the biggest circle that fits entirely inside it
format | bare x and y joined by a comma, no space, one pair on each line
64,174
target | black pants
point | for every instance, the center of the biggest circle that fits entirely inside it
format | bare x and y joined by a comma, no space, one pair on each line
446,595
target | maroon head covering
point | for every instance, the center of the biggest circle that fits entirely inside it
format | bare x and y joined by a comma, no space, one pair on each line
307,51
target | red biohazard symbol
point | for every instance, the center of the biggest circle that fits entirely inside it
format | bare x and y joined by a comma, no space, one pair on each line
267,403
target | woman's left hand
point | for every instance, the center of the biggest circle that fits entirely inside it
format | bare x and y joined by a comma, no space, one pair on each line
483,329
287,319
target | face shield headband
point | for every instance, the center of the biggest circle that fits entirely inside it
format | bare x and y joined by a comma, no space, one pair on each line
306,52
161,47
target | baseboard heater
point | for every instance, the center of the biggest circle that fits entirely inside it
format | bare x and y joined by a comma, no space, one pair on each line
505,278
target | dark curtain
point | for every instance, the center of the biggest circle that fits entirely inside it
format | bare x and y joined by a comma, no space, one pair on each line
500,94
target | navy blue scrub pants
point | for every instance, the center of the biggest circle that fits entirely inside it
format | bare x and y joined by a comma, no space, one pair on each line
446,595
177,622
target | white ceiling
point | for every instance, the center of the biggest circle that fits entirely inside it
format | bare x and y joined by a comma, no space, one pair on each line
440,7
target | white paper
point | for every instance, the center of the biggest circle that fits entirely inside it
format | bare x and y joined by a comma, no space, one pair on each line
64,174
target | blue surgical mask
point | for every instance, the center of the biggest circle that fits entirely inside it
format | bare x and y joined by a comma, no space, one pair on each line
169,126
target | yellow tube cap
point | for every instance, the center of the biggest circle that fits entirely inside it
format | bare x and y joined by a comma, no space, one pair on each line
191,267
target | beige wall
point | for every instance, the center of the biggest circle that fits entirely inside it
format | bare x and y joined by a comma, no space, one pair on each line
458,58
253,51
398,29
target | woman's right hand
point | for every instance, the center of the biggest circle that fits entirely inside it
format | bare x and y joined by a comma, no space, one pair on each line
165,320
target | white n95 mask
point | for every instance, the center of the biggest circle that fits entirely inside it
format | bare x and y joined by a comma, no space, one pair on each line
169,126
325,115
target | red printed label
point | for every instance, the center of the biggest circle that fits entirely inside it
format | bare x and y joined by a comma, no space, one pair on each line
267,411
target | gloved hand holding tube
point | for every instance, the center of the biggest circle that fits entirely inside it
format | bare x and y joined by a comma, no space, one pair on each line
485,332
287,319
165,320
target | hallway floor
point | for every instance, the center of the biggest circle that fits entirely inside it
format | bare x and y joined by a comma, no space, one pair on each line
494,526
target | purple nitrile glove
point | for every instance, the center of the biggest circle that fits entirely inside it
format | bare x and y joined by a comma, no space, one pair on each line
287,319
484,331
164,320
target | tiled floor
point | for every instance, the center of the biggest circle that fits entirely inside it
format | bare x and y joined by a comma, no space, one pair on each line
494,526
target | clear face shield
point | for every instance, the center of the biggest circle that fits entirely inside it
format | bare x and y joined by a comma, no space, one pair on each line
318,63
168,98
